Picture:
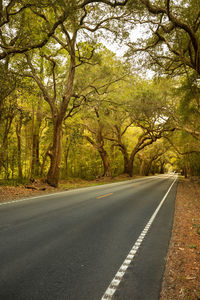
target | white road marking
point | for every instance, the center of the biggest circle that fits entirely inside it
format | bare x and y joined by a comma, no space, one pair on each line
120,273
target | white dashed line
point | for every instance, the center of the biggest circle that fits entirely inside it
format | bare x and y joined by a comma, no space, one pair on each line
119,275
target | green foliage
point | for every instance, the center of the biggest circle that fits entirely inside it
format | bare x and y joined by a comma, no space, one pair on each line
171,44
53,51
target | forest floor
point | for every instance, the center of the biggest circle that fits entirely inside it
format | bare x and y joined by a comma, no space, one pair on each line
182,273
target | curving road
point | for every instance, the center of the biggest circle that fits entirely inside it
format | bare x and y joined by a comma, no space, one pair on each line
75,245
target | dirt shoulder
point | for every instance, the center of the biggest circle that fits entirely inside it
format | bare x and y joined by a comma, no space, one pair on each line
39,187
182,273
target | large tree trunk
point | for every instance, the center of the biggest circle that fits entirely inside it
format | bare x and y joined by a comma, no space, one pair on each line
128,161
58,110
142,167
129,169
126,164
106,162
131,161
124,152
162,169
55,155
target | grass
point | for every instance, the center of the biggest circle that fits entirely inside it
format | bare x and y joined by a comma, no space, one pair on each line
193,246
13,182
197,227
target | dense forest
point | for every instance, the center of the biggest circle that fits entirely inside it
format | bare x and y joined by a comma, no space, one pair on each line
73,107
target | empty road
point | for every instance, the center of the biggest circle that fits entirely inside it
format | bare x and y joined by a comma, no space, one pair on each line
102,242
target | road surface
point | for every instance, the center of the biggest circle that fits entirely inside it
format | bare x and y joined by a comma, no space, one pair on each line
102,242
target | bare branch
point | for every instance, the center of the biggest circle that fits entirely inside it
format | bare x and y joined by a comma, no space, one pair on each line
12,50
115,4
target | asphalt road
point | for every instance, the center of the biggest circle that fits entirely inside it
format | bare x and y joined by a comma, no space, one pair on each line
70,245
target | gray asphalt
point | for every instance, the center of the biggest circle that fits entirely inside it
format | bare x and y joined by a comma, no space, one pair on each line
70,245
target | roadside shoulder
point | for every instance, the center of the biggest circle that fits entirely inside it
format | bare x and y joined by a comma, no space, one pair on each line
182,273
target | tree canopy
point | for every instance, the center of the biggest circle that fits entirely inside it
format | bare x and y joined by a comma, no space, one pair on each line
69,107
